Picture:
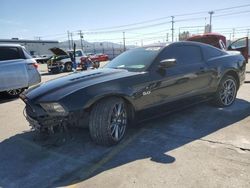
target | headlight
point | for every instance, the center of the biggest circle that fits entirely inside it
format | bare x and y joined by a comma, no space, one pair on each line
54,108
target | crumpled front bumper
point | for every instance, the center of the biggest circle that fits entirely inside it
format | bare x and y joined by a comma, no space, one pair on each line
44,122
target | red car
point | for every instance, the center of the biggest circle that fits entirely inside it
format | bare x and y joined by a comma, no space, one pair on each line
219,41
95,58
99,57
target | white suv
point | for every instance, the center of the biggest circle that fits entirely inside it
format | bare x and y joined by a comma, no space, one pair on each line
18,70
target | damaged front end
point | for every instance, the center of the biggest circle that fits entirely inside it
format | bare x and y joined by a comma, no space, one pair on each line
52,116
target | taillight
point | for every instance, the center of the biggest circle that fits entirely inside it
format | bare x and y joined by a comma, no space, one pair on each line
32,65
35,65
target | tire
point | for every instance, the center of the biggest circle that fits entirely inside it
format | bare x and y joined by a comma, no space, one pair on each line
226,92
55,71
96,64
68,67
108,121
14,93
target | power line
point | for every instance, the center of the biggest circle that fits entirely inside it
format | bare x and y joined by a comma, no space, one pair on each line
128,29
143,24
116,28
167,17
230,14
127,25
235,7
220,15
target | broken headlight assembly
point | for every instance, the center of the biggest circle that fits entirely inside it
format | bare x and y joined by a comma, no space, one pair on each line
54,109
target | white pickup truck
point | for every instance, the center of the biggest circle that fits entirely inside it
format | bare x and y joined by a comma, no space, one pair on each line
18,70
61,61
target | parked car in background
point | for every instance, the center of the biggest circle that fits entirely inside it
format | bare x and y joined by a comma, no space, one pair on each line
95,58
61,61
42,59
136,85
99,57
219,41
18,70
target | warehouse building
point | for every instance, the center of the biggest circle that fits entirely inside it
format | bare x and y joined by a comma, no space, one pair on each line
35,47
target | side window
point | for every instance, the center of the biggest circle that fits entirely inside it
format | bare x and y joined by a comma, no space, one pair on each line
9,53
78,53
185,54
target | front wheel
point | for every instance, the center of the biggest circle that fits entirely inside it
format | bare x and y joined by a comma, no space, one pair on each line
68,67
108,121
226,92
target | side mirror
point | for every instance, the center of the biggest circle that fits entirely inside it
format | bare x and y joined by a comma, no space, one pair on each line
166,63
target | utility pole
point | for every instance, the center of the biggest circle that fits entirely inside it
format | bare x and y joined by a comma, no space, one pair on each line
113,50
37,38
81,37
210,22
69,39
233,33
120,46
72,42
248,33
124,40
172,28
166,37
94,47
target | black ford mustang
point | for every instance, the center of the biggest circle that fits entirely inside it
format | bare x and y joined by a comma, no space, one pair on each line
139,81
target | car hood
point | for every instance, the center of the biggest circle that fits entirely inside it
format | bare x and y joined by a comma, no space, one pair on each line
56,89
58,51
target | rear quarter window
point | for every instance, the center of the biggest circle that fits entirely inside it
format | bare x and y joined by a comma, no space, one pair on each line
211,52
9,53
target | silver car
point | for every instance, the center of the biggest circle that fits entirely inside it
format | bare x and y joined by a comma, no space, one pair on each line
18,70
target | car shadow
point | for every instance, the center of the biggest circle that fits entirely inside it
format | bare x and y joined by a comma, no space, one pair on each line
47,73
5,99
31,160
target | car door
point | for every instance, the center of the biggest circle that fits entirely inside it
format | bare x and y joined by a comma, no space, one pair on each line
240,45
187,78
78,56
13,71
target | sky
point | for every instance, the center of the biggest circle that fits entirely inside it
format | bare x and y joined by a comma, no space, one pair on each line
51,19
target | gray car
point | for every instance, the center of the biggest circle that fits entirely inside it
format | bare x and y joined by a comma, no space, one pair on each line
18,70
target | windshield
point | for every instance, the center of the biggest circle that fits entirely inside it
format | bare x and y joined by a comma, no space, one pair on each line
78,53
135,60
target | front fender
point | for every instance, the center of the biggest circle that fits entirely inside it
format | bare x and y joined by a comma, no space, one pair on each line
85,98
106,95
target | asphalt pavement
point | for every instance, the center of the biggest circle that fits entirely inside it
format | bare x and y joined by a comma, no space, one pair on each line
202,146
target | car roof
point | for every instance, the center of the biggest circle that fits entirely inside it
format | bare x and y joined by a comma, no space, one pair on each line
175,43
180,43
200,44
10,45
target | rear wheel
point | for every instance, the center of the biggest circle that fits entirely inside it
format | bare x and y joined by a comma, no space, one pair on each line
108,121
226,92
13,93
